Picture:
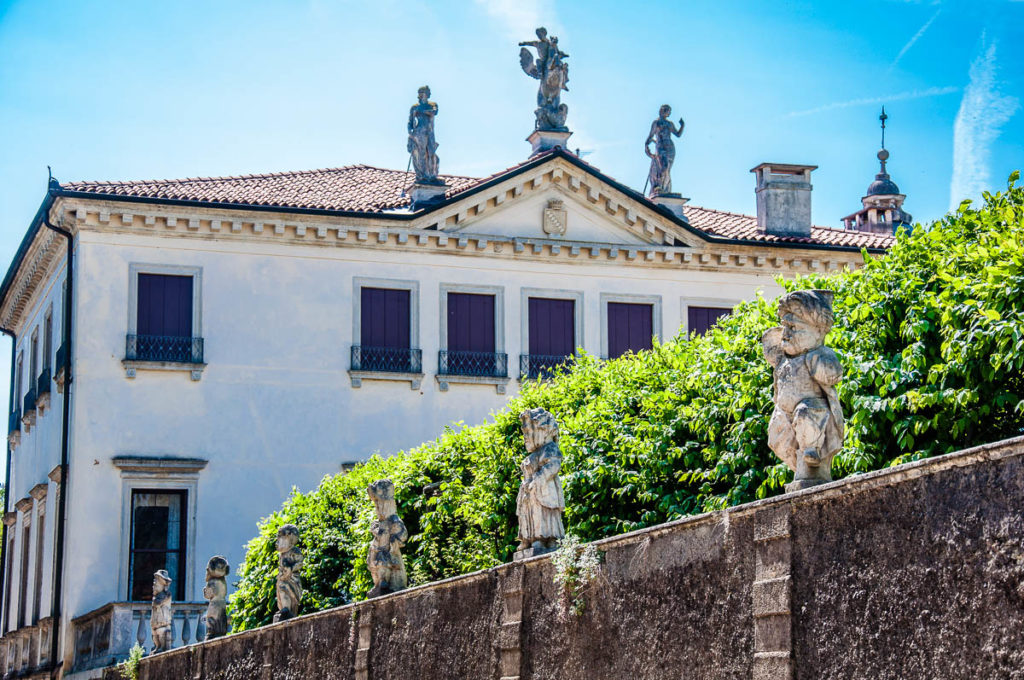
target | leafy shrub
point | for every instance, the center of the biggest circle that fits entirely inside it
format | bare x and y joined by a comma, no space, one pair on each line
577,565
932,340
130,667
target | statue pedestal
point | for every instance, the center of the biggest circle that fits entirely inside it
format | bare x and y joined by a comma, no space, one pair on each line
426,195
527,553
673,203
545,140
801,484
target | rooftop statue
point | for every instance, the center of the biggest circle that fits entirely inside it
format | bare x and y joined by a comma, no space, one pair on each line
806,427
422,145
289,573
389,535
216,594
540,502
553,73
161,616
662,129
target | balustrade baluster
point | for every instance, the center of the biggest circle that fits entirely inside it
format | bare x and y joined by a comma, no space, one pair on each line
201,627
186,630
140,636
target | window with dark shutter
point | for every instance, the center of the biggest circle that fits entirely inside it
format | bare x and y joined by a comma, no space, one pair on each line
630,328
164,320
471,337
158,537
385,332
701,319
552,335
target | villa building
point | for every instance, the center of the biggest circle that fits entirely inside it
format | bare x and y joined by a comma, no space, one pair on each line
187,352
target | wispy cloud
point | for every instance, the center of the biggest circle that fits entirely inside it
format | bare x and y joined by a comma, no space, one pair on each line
983,112
899,96
520,17
915,38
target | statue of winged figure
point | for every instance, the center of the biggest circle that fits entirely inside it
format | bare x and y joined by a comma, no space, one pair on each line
552,71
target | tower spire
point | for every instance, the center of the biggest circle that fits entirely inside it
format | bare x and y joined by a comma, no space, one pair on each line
883,118
882,207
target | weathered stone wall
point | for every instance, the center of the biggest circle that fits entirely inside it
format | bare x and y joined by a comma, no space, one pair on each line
913,572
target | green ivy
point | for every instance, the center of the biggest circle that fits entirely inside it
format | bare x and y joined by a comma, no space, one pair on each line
932,340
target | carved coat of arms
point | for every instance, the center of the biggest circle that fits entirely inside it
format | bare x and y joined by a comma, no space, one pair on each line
555,218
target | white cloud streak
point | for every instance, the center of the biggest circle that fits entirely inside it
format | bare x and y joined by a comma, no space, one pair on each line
520,17
915,38
983,112
899,96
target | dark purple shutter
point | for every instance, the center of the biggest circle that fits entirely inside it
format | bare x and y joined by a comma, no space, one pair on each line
552,327
384,318
630,328
470,322
165,305
701,319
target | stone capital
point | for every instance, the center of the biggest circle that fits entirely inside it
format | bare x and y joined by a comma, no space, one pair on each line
10,518
24,505
56,475
39,491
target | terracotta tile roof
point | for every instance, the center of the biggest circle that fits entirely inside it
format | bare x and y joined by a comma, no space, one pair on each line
354,188
744,227
367,189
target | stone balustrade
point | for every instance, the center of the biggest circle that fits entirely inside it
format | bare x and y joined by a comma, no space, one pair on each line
104,636
26,651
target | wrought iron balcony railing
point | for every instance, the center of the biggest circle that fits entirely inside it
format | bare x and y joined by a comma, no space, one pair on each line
169,348
534,366
484,364
43,382
387,359
14,422
29,405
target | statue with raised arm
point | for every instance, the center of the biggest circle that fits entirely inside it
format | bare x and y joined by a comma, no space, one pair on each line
289,573
422,145
662,129
553,73
389,535
540,502
806,427
162,615
216,594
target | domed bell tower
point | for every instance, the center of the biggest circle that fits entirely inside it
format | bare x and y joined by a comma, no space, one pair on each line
882,207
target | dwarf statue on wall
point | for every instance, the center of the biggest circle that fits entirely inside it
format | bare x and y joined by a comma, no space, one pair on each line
540,502
389,535
160,618
289,573
216,593
806,427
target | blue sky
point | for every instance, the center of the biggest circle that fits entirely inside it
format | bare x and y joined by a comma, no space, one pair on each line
110,90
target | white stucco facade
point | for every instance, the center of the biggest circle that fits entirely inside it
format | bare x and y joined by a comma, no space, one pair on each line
275,406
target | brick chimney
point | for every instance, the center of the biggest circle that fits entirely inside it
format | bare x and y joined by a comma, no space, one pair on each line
784,199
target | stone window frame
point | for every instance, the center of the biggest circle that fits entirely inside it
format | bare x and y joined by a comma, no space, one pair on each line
656,315
196,272
39,545
498,292
687,301
360,282
25,509
146,473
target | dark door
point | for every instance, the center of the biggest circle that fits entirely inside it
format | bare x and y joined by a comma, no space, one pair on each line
471,346
165,305
701,319
384,329
630,328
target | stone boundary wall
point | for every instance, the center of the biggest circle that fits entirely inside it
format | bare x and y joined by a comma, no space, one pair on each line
910,572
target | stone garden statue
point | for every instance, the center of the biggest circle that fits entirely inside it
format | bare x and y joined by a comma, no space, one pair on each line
553,73
806,427
216,593
540,502
422,145
289,573
662,129
160,619
389,535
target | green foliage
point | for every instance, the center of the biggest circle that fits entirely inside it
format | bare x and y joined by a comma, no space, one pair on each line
577,566
130,667
931,337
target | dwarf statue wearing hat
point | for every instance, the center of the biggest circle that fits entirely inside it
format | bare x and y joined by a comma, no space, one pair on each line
384,557
216,593
289,573
806,427
160,618
540,502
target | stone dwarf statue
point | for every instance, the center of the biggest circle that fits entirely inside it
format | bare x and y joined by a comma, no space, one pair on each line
806,427
389,535
160,619
289,573
540,502
216,593
660,175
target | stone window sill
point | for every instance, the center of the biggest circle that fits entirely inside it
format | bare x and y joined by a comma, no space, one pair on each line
131,366
43,402
499,383
357,377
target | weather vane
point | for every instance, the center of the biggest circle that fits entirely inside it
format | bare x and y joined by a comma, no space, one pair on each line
883,118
